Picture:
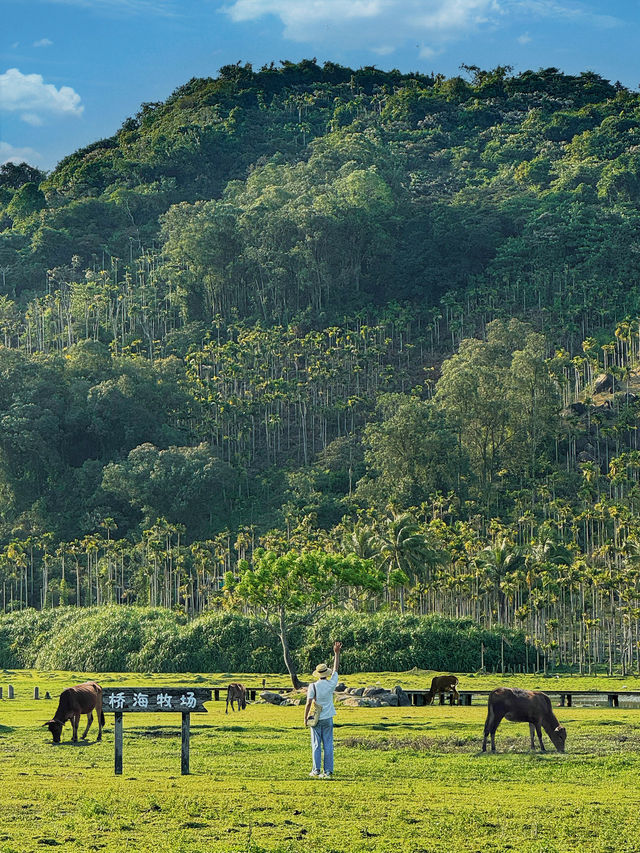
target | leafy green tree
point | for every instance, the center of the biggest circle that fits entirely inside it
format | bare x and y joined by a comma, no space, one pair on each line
294,588
411,453
185,485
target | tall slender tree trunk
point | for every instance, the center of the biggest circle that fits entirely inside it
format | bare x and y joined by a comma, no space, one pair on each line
288,660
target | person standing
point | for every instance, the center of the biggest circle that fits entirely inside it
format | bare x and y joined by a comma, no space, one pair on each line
322,733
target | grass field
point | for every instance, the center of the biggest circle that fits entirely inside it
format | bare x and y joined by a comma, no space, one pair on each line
407,779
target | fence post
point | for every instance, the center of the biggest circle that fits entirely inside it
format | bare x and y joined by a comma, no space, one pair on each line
36,692
184,759
10,694
118,743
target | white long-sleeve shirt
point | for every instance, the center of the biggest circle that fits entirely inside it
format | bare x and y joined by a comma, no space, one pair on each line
322,691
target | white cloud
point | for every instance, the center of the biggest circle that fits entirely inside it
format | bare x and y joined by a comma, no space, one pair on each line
525,38
383,49
384,25
157,7
427,52
10,154
370,22
564,11
43,43
32,118
29,95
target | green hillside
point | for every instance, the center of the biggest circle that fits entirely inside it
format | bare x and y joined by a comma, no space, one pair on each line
354,310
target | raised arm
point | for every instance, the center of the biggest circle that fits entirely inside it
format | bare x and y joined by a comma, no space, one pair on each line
336,655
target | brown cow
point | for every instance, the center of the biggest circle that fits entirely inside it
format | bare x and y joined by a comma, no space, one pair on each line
81,699
443,684
236,692
523,706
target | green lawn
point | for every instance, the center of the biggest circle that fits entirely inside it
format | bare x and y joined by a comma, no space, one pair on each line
407,779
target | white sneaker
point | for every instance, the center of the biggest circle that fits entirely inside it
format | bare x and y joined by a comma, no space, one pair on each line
326,775
315,773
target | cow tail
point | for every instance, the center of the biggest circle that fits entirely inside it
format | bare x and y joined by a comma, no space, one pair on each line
102,718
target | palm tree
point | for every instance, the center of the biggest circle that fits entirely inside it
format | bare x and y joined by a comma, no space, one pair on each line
403,550
501,558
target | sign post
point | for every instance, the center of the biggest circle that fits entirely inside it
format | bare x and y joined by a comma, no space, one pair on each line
152,700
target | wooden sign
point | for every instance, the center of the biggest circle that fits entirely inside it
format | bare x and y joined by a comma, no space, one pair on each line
183,700
155,699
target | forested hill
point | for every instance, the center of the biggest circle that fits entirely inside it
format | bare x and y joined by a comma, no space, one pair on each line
314,191
351,310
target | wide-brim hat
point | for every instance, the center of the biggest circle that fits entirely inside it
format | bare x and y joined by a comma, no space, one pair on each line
322,671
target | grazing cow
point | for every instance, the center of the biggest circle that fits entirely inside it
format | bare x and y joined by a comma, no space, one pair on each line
443,684
523,706
82,699
236,692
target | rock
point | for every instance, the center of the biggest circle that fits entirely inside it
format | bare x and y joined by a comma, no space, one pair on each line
403,698
586,457
360,702
340,687
623,398
603,382
358,691
388,699
577,408
373,691
294,700
272,698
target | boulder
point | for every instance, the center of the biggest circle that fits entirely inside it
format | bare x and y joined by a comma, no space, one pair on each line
296,699
272,698
403,698
604,409
360,702
577,408
340,687
603,382
358,691
623,398
388,699
373,691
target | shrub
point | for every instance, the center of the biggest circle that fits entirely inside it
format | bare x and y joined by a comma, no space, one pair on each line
128,639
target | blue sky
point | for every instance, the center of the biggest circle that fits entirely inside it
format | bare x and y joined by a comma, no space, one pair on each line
73,70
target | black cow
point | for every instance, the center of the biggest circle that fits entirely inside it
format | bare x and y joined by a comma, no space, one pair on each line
523,706
81,699
236,692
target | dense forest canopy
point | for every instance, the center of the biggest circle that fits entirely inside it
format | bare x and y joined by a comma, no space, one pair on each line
387,314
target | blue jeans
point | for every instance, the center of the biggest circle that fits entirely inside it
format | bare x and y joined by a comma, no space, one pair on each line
322,738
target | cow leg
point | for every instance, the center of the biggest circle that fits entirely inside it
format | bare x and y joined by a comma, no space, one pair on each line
532,730
89,721
493,721
75,722
497,721
226,710
539,731
100,723
487,729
